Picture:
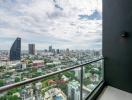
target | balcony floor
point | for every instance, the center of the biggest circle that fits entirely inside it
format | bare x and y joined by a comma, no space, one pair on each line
111,93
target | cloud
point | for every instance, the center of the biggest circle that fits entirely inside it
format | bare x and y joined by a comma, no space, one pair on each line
51,22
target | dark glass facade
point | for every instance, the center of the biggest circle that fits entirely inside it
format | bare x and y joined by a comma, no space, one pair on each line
15,51
50,48
31,49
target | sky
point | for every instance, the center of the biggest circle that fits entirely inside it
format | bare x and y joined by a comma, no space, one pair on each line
51,22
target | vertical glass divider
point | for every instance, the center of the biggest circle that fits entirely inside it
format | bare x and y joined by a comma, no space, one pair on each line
81,84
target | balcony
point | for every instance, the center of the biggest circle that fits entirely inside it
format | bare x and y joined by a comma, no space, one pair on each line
111,82
73,83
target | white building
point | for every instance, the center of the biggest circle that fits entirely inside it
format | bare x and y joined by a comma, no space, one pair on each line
54,94
38,87
74,90
27,93
78,73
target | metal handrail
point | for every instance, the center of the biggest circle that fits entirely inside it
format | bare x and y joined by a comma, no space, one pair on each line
18,84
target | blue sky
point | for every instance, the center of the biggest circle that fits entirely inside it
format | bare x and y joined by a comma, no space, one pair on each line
51,22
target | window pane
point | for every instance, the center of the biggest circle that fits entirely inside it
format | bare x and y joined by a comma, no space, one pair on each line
92,76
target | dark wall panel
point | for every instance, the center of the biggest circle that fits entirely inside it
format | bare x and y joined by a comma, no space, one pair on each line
117,17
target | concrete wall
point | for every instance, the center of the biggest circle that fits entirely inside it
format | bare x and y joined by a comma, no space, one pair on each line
117,17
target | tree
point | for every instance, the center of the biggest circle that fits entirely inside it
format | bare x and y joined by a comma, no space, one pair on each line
30,61
12,91
70,74
13,97
2,68
9,97
17,79
51,65
88,68
1,82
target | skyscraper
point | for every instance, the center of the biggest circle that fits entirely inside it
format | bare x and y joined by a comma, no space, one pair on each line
57,51
15,51
50,48
31,48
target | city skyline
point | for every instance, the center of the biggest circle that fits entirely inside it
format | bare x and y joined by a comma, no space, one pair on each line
46,48
71,24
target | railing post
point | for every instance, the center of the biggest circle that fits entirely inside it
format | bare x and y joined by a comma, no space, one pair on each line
81,84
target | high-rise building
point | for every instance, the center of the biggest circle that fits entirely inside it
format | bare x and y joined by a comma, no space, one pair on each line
67,51
50,48
74,90
53,51
57,51
15,51
31,48
38,87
